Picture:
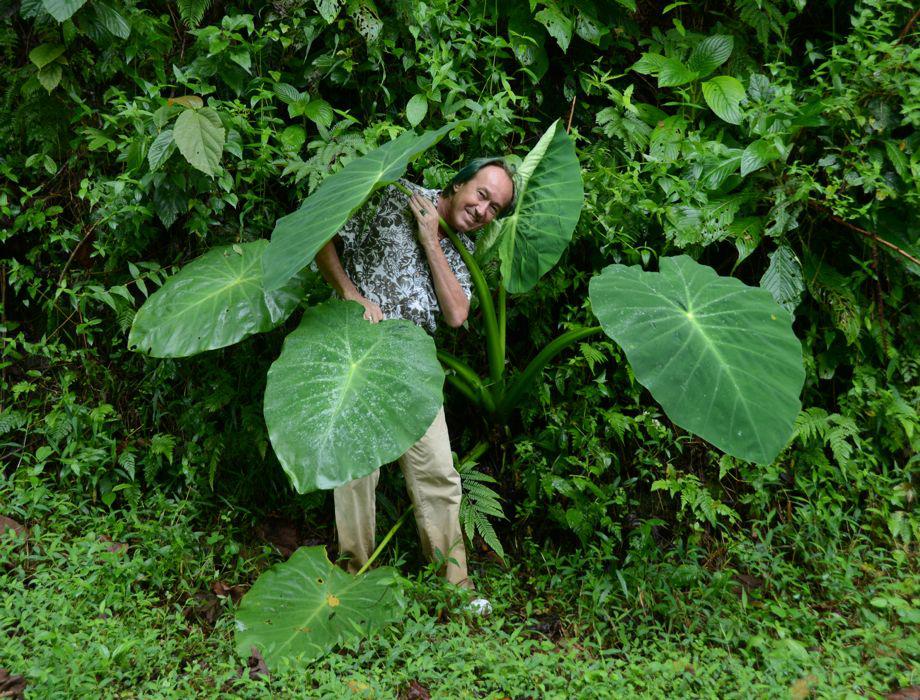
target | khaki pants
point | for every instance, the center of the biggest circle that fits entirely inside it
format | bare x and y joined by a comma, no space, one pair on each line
434,487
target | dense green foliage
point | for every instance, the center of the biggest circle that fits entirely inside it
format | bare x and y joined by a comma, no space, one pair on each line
774,140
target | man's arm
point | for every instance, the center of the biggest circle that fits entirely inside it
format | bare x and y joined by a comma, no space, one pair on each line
327,260
451,298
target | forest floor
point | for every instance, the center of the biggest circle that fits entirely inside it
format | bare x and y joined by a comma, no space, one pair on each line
137,601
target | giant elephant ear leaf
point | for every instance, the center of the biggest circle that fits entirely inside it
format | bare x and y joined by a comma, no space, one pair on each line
549,199
719,356
298,237
298,610
214,301
346,395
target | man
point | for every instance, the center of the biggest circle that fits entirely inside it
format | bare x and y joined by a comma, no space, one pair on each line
397,263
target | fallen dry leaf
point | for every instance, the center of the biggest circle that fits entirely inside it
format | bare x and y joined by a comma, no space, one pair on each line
11,686
113,546
801,689
415,691
281,532
359,688
235,593
202,608
909,693
19,530
257,666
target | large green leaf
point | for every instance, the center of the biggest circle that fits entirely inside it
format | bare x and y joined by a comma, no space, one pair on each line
549,199
346,395
719,356
649,63
416,109
783,278
160,150
557,25
199,136
50,76
756,155
112,20
214,301
44,54
298,237
673,73
62,9
710,53
300,609
723,94
528,40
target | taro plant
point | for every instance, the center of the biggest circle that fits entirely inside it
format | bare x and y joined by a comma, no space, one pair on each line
346,396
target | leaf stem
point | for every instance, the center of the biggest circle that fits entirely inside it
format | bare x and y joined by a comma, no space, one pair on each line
502,319
385,540
470,378
478,449
525,381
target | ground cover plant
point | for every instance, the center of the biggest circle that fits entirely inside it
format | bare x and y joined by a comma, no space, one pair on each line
774,142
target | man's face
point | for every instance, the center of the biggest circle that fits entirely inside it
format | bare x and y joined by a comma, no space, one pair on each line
479,200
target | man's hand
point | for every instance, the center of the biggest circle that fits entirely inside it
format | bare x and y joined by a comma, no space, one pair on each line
451,297
327,260
426,213
372,312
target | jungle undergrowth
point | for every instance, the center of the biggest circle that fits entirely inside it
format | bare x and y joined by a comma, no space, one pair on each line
140,598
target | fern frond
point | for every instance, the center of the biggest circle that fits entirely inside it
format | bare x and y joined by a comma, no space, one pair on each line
480,502
11,420
837,437
487,532
811,423
591,354
192,11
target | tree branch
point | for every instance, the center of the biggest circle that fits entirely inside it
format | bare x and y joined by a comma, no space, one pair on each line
875,237
907,27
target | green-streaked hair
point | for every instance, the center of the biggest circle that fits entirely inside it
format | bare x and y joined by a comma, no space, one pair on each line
468,171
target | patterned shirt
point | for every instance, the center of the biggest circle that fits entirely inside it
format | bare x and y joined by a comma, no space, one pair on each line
382,256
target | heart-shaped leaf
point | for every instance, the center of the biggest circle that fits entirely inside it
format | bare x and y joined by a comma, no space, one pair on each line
214,301
719,356
298,237
300,609
723,94
549,199
199,135
346,395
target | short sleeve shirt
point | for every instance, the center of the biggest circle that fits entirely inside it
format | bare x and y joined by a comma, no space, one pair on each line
382,256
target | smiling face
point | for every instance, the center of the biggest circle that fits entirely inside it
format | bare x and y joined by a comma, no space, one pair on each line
479,200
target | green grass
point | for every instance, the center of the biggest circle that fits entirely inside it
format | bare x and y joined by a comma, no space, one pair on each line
80,620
